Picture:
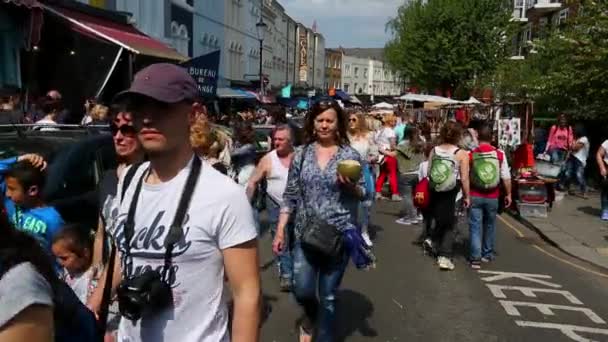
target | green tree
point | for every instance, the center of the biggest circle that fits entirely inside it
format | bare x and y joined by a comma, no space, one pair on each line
447,43
572,63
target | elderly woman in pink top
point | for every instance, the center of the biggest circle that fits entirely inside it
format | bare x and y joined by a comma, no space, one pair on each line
560,140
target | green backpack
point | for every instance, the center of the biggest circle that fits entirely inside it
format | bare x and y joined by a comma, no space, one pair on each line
442,176
485,170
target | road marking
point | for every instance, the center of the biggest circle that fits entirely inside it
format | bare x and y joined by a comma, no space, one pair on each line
520,234
498,292
498,275
547,309
517,231
511,307
571,263
566,329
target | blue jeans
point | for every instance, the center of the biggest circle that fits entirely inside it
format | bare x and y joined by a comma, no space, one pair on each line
406,187
482,227
604,198
575,169
284,260
557,155
310,274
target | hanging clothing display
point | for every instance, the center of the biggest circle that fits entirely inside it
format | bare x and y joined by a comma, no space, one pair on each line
509,132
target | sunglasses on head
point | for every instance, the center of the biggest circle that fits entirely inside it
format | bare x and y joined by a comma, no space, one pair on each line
326,103
126,130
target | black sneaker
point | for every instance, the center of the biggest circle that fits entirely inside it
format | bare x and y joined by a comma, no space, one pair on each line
476,264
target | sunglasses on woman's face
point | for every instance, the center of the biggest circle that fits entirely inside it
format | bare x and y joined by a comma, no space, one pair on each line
352,120
125,130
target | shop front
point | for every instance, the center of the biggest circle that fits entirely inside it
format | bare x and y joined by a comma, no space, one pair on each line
86,52
19,28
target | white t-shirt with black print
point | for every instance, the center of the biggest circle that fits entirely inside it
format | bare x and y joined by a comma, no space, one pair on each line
219,217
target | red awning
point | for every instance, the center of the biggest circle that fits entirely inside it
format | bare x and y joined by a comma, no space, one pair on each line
120,34
26,3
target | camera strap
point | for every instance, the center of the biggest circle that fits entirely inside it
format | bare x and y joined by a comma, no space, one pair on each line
176,231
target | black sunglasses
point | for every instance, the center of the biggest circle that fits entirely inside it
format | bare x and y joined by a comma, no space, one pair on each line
125,130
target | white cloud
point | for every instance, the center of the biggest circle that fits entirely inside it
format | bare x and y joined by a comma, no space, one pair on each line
349,23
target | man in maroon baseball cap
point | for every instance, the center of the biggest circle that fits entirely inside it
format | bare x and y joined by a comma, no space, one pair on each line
163,82
218,235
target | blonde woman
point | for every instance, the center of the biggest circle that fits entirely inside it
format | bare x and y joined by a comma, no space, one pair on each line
361,139
207,143
386,139
99,114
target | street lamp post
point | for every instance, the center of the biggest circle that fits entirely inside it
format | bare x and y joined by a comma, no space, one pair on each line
261,28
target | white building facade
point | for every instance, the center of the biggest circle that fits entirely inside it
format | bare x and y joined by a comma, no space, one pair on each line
365,73
198,27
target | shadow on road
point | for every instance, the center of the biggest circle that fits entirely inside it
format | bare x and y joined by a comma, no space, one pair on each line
353,312
374,230
590,210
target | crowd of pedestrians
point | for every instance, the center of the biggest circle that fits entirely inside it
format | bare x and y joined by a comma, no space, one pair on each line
180,216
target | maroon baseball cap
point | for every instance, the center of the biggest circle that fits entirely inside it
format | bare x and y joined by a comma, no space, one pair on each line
164,82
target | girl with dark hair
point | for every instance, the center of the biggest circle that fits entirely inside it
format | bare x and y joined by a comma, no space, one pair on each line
40,307
321,200
448,173
50,109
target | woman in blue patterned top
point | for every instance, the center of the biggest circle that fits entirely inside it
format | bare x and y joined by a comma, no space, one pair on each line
314,185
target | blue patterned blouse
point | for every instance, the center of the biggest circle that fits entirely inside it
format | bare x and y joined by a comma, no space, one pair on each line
322,192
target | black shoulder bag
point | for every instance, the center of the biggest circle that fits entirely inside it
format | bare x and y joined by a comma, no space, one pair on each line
150,291
318,237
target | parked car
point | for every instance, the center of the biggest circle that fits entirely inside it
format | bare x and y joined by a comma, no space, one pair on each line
77,160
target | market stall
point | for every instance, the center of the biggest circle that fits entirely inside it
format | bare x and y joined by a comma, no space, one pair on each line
534,181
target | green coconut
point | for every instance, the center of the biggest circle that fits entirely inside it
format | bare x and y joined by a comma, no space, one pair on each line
350,168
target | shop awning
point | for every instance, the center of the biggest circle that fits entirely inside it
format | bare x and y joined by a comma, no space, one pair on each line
26,3
233,93
120,34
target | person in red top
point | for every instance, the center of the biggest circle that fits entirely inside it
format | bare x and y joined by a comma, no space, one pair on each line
489,167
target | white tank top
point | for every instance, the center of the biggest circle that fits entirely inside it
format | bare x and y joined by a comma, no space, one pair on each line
277,180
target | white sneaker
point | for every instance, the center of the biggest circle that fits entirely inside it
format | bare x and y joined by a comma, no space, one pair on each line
405,221
445,264
419,218
428,244
366,239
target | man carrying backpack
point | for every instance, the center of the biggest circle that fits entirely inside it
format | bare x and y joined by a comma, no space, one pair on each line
488,167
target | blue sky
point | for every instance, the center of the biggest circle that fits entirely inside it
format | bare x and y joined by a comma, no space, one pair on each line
349,23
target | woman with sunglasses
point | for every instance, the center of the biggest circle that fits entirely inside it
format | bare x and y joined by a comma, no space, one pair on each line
128,152
316,193
361,139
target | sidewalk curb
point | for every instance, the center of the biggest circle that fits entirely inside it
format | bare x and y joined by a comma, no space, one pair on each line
547,239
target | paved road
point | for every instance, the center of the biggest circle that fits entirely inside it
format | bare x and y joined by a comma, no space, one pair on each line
406,298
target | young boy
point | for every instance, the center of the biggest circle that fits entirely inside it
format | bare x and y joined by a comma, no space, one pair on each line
21,181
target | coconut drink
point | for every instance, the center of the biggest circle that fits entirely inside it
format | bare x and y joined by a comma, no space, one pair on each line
350,169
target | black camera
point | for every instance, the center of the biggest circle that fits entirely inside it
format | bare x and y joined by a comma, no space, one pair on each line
143,294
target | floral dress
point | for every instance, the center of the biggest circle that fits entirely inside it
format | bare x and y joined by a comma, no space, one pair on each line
311,189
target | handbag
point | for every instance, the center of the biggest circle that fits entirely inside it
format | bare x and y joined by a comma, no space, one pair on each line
318,236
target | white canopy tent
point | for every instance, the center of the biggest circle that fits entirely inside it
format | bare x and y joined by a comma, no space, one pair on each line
383,105
436,99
